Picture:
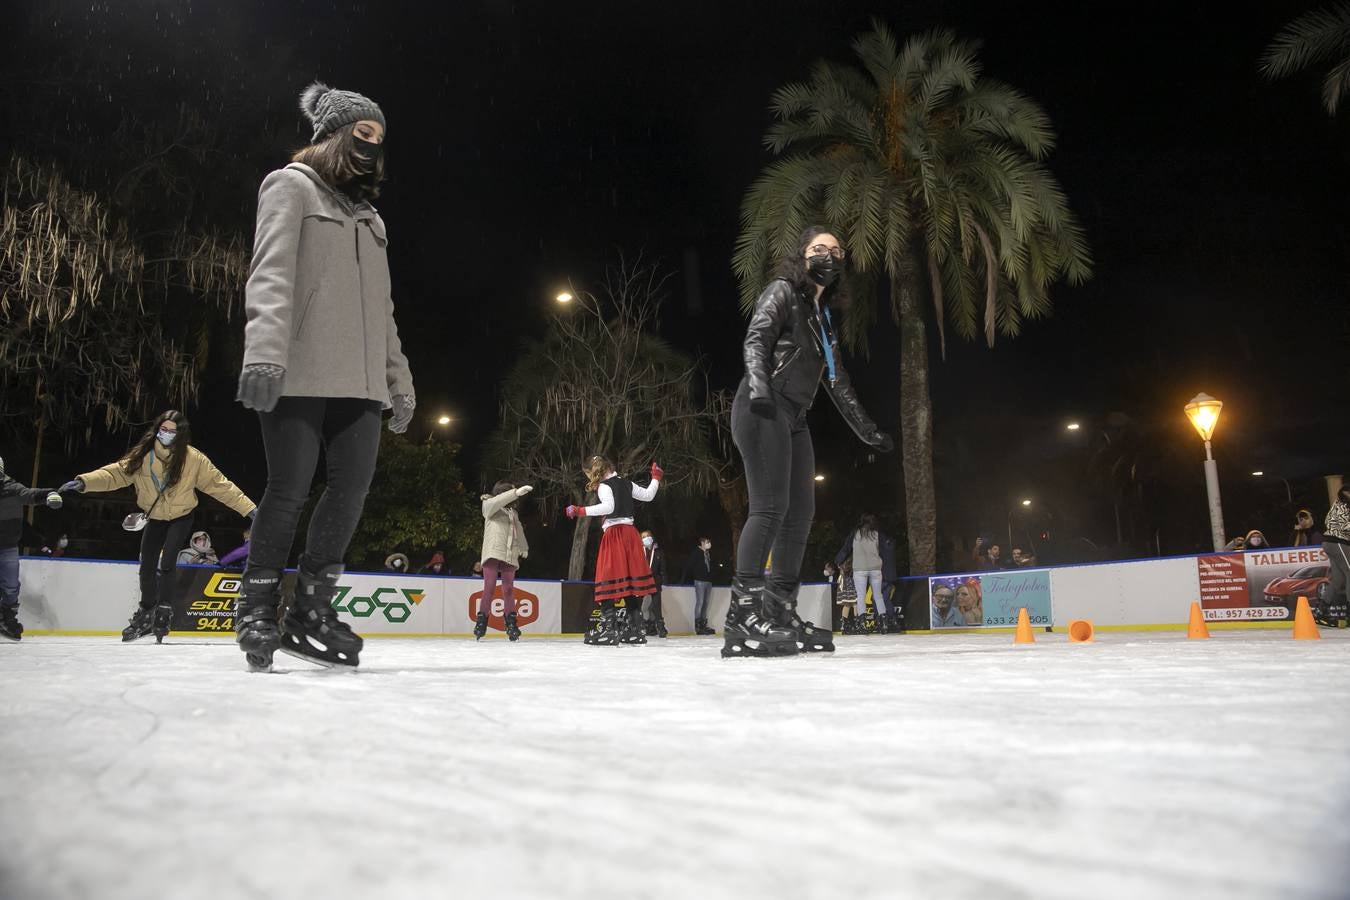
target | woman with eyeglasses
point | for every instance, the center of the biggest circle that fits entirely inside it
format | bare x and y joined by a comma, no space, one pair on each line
322,361
790,349
167,472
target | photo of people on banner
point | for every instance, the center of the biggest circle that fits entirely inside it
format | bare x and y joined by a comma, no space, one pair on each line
991,599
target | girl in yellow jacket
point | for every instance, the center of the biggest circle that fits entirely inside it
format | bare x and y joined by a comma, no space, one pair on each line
166,471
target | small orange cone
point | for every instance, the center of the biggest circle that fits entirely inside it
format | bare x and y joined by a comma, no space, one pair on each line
1080,631
1024,635
1197,629
1305,629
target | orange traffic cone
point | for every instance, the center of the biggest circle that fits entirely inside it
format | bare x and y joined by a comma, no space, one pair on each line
1197,629
1305,629
1024,635
1080,631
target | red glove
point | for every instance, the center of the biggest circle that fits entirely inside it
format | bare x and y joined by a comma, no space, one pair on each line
573,511
657,472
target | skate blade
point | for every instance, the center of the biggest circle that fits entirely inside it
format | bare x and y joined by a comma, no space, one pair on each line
11,638
319,661
733,651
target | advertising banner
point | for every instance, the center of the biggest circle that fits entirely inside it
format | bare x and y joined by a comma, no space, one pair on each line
989,599
1262,584
538,607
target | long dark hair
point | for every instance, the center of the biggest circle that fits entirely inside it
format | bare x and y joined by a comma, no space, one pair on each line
178,450
867,525
334,158
792,269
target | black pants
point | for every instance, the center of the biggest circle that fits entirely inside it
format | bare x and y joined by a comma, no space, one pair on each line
780,470
1338,590
160,543
348,430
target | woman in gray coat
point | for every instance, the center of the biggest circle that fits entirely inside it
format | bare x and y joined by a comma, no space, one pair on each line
322,361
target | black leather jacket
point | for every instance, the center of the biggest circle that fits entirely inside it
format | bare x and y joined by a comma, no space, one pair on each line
785,358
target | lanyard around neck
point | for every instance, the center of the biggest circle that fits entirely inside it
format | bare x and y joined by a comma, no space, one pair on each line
825,342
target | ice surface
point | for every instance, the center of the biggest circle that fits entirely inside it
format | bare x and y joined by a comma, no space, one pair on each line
956,766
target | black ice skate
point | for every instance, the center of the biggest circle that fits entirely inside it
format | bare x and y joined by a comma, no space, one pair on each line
780,602
631,628
480,626
512,630
10,629
311,629
660,624
605,632
142,623
701,627
748,630
163,618
255,618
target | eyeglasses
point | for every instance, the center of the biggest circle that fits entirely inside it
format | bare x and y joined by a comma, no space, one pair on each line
818,249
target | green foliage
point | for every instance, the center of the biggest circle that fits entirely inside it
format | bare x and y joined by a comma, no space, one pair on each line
922,165
1321,36
417,504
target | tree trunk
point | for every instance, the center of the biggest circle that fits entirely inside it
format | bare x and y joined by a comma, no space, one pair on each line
576,566
916,424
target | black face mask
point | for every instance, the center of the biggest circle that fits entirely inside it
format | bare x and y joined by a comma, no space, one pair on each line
366,155
823,269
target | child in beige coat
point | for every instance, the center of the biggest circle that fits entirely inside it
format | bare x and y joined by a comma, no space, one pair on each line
504,546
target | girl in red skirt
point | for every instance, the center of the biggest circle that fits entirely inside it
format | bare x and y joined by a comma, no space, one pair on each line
621,571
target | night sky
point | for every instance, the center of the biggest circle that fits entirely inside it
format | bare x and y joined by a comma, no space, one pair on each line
531,142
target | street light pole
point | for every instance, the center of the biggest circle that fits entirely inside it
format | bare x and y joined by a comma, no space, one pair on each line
1203,411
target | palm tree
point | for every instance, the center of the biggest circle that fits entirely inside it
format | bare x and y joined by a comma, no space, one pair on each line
934,176
1320,36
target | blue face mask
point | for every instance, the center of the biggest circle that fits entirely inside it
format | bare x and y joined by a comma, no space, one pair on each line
167,437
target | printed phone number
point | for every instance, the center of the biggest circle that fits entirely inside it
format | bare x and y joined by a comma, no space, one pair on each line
1255,612
1012,620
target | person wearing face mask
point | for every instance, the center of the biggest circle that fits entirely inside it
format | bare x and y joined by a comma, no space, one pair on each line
699,570
1255,540
1306,532
13,498
322,360
652,614
790,349
199,551
166,472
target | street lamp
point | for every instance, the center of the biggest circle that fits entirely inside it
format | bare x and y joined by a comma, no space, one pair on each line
1288,489
444,420
820,478
564,297
1203,411
1072,426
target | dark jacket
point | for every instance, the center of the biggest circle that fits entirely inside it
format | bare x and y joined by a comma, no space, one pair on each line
13,498
785,358
885,546
695,569
656,558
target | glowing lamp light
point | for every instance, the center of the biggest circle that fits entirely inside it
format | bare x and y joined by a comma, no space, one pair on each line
820,478
1203,411
1026,502
1257,474
564,297
444,420
1072,426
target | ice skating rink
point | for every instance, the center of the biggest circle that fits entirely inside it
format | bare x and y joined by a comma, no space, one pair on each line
1141,766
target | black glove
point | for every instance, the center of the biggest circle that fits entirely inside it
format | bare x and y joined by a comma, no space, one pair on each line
883,442
404,404
764,407
260,386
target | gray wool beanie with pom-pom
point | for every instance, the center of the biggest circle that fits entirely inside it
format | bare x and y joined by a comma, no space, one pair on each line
329,109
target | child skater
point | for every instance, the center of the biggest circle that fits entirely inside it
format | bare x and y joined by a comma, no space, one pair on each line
504,546
621,570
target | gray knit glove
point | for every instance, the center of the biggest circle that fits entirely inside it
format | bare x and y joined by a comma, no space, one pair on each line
404,404
260,386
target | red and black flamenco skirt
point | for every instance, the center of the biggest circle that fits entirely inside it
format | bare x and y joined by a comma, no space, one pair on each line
621,567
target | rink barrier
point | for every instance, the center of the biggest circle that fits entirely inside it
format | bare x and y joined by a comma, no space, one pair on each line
96,597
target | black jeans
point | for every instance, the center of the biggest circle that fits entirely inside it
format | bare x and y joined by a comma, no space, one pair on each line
160,543
348,430
780,470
